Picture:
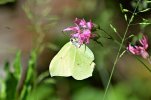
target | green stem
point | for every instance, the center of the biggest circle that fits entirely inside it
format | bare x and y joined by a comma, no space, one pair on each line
143,64
118,54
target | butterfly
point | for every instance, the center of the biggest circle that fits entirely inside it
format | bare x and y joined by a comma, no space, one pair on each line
74,61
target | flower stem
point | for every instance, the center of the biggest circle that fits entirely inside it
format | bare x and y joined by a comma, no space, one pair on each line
118,54
143,64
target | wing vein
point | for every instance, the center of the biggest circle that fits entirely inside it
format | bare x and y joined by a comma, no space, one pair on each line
74,57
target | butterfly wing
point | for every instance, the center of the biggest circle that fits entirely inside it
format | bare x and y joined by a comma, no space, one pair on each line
62,62
83,64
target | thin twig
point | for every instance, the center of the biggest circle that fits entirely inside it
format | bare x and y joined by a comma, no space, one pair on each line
118,54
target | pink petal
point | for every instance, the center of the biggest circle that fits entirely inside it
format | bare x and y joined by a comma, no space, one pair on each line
90,25
75,35
75,29
131,49
144,42
80,22
87,32
77,21
144,54
83,23
134,49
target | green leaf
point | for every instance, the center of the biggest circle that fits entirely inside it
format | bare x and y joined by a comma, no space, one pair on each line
11,84
148,1
17,65
30,76
132,18
31,66
43,76
6,1
125,16
121,7
146,10
140,36
134,40
6,67
125,10
122,53
25,92
73,61
114,29
132,35
144,23
2,89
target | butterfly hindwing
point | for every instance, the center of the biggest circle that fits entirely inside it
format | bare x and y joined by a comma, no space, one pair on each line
83,65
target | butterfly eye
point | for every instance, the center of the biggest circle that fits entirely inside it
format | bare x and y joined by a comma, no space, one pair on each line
71,40
75,42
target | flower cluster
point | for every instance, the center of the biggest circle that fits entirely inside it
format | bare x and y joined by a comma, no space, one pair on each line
140,49
82,31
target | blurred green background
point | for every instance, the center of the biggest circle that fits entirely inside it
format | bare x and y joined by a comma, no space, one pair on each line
31,34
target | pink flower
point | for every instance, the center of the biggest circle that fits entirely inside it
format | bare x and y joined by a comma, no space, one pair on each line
83,24
81,31
140,49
